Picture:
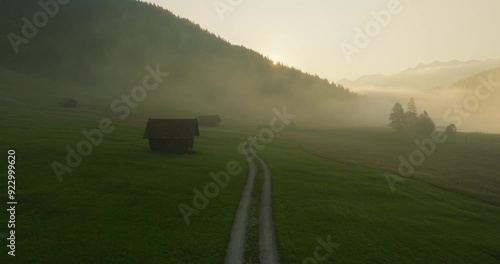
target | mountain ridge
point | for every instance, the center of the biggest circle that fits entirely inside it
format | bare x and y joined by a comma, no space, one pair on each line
441,73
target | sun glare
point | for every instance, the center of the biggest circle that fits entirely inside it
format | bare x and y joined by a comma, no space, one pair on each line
275,60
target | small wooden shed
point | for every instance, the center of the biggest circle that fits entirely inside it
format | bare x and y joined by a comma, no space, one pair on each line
68,103
209,120
173,136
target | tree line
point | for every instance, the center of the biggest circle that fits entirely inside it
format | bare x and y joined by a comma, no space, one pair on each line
410,121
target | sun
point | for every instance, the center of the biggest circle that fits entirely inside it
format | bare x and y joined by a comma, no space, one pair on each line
275,60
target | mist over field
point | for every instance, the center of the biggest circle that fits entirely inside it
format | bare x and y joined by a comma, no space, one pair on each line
210,75
439,100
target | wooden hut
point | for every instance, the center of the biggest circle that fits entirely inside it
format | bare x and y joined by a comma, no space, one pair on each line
209,120
173,136
68,103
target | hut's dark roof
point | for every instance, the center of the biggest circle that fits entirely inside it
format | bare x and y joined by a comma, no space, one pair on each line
172,128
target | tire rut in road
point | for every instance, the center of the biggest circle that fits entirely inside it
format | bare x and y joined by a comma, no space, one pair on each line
268,249
236,247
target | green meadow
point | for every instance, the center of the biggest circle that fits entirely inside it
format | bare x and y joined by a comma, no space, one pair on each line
90,191
316,197
121,204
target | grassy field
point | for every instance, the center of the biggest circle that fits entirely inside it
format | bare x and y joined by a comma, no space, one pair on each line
466,163
121,204
318,197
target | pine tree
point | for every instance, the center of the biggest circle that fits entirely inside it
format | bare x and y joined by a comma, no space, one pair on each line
412,115
398,118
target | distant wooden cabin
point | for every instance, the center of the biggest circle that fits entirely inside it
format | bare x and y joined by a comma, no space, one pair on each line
173,136
209,120
68,103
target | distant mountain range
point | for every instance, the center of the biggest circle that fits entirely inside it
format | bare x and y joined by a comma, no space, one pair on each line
484,87
426,76
473,81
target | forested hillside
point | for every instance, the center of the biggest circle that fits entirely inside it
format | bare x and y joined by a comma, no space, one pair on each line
93,50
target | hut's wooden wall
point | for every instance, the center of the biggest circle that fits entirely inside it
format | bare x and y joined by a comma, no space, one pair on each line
172,146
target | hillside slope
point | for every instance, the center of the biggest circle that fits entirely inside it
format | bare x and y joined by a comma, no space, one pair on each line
96,49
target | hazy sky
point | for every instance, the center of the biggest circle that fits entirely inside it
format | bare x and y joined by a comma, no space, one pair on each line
307,33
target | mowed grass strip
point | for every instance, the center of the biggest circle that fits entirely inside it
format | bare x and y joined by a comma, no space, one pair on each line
315,197
252,242
121,204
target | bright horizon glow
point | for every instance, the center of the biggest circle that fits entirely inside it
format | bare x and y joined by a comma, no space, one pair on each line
308,33
274,59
